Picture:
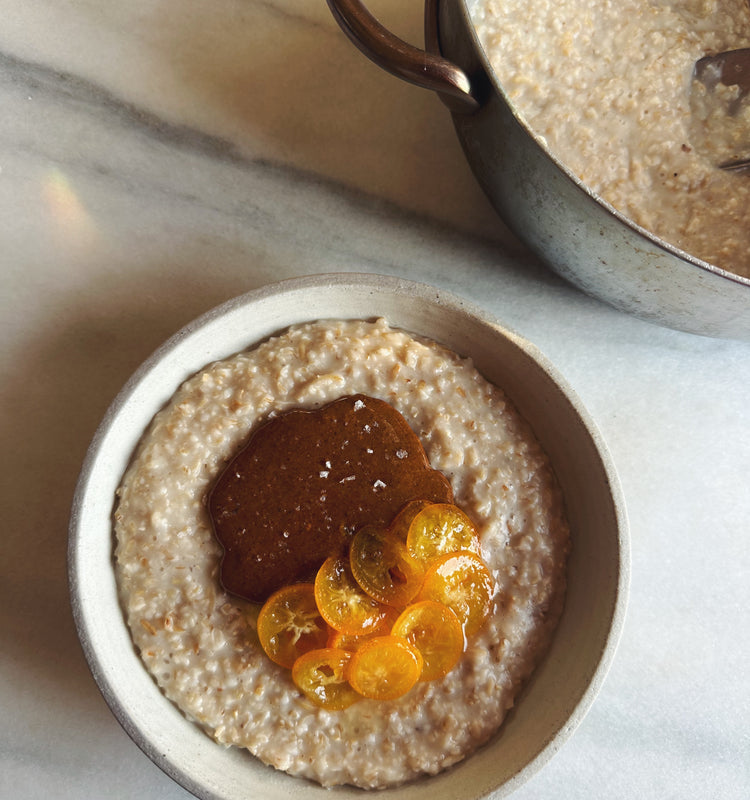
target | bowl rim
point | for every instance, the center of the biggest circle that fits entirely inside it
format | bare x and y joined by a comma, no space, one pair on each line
375,285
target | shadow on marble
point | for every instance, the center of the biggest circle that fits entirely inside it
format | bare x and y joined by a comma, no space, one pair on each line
52,404
293,87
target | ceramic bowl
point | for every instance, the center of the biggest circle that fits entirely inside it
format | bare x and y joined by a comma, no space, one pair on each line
563,687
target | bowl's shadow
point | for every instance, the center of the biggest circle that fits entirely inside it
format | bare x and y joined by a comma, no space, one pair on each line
50,407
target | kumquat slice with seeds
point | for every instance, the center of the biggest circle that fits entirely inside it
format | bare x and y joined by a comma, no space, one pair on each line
462,582
342,602
382,566
321,676
436,631
289,624
441,528
385,668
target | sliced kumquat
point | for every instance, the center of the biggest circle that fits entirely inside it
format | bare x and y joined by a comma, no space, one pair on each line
342,602
321,676
348,641
436,631
382,566
385,668
289,624
395,610
441,528
399,528
462,582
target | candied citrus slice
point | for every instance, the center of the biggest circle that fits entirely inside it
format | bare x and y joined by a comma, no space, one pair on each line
462,582
385,668
348,641
321,676
289,624
399,527
342,602
382,566
436,631
441,528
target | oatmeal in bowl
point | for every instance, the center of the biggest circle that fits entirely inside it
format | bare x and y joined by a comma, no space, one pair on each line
189,666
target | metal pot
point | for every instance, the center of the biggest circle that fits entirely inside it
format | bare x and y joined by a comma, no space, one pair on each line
572,229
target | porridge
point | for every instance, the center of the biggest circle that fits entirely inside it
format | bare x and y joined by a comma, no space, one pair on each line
607,87
201,644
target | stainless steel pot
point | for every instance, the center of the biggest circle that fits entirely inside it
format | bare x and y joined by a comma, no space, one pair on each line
573,230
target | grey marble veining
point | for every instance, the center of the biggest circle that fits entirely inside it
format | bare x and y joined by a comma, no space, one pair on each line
157,158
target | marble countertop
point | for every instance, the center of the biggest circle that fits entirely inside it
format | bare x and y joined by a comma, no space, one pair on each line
157,158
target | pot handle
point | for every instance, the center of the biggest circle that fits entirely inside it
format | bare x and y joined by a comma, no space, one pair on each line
426,69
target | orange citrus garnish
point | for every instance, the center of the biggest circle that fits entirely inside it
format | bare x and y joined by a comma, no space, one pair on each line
393,611
382,566
441,528
321,676
436,631
462,582
348,641
385,668
399,528
342,602
289,624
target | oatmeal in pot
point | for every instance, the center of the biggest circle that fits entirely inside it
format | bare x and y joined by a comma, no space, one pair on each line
201,643
607,87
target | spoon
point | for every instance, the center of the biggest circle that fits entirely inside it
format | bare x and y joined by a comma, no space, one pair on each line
730,69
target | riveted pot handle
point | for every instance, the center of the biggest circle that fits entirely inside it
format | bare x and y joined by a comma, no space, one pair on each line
426,69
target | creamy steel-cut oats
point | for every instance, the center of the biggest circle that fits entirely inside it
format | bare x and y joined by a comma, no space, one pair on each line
606,86
200,643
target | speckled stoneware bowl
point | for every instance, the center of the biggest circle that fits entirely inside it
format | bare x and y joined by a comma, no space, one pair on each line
565,684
